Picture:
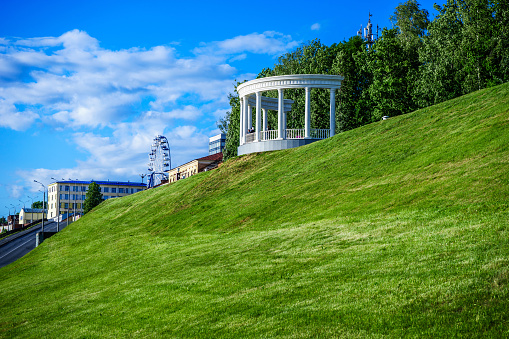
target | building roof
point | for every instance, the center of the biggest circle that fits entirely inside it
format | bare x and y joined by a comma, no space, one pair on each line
34,210
99,182
213,157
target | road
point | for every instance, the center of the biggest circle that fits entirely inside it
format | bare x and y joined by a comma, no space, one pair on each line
17,248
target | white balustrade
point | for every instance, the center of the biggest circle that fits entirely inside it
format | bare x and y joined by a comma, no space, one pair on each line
268,135
295,133
319,133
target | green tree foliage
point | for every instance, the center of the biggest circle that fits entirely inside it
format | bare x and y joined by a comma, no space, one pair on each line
93,197
350,112
411,23
3,221
37,204
230,125
466,49
391,70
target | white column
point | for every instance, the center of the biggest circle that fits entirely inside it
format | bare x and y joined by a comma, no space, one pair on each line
280,109
264,119
249,117
246,117
332,112
241,130
258,115
307,115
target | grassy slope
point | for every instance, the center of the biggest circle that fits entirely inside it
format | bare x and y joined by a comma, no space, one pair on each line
396,228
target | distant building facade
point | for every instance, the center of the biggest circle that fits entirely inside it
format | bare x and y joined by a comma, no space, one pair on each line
195,166
68,196
13,222
28,215
217,143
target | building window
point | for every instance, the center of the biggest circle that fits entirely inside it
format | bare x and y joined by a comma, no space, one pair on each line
66,205
106,190
120,190
113,190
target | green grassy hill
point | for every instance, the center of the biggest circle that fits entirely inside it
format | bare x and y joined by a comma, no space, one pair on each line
398,228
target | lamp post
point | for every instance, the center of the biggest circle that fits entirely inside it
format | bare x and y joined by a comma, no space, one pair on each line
8,217
67,219
75,190
58,208
32,210
43,201
14,215
24,209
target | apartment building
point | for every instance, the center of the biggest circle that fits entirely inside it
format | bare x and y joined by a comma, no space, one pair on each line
217,143
67,196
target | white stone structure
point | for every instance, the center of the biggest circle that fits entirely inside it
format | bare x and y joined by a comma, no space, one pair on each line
261,139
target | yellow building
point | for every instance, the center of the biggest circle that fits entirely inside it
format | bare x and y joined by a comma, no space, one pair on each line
68,196
195,166
27,215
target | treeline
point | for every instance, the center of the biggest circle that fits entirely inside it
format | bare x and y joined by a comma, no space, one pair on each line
414,64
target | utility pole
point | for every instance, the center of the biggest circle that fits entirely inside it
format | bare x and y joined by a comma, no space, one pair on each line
43,201
58,207
8,217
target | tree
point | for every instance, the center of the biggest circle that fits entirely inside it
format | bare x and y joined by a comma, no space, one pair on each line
93,197
3,221
411,22
349,114
37,204
391,72
466,49
230,125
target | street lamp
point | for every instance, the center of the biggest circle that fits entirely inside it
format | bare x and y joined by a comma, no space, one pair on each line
8,217
14,215
58,208
32,210
74,187
43,200
24,209
67,219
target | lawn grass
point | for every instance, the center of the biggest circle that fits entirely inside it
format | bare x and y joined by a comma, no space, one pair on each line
398,228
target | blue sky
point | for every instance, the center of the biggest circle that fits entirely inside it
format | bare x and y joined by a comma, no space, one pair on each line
86,85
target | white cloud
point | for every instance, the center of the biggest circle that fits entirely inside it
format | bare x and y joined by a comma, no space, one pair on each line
269,42
15,191
315,27
11,118
115,102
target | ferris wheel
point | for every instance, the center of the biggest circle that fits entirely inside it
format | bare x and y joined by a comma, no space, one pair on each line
159,161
